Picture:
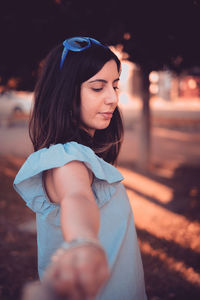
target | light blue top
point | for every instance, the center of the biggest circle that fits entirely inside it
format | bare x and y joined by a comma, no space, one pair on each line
117,229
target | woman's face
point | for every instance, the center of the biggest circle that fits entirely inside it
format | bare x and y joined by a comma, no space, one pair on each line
99,98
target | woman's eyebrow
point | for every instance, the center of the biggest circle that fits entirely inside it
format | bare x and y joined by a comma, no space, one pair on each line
102,80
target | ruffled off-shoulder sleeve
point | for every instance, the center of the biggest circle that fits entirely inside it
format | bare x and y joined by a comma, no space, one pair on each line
28,182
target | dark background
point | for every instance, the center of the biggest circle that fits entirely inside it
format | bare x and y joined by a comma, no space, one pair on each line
162,33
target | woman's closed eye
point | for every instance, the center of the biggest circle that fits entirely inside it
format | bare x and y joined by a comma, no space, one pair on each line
100,89
97,89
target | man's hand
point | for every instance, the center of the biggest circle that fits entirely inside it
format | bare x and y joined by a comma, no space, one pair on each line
78,273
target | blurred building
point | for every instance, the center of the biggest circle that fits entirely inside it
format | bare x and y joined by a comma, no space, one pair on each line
189,86
170,86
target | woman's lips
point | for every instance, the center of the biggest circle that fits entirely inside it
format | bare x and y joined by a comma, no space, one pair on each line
107,115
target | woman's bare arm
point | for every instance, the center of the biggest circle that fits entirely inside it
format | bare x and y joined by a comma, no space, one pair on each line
79,272
79,211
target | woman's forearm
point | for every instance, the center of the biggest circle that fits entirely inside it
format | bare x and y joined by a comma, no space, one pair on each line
79,217
81,272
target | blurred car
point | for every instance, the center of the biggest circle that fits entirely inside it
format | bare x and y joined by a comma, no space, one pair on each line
14,104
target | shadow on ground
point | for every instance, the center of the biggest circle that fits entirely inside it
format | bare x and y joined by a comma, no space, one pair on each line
185,184
168,242
18,247
171,269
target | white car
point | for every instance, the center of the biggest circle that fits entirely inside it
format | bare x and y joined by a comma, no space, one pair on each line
14,103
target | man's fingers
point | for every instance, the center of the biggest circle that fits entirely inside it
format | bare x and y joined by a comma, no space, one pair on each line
65,281
90,283
79,278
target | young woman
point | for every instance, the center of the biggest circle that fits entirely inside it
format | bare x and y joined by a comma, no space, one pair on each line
86,235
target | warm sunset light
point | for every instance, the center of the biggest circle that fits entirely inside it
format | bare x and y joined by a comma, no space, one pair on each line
154,217
148,187
153,88
192,83
153,76
127,36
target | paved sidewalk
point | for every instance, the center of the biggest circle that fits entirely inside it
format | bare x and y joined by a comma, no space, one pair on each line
167,144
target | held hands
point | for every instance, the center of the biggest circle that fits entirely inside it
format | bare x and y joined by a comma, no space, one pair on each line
78,272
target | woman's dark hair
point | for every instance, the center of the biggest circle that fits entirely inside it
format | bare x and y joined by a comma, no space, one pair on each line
56,113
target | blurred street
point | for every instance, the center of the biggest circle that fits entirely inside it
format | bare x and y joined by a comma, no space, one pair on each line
175,134
168,144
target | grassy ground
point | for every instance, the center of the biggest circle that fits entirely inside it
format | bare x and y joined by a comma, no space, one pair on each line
166,206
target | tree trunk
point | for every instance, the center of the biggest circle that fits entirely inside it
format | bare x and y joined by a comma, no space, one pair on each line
145,124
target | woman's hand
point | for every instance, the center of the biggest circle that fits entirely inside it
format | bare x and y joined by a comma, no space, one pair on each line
78,273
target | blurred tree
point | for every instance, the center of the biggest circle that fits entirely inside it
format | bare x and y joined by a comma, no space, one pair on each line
162,34
155,33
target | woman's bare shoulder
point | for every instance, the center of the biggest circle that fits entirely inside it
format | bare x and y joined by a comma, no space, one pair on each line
73,177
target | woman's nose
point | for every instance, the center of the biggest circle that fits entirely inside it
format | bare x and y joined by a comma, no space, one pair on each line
111,96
